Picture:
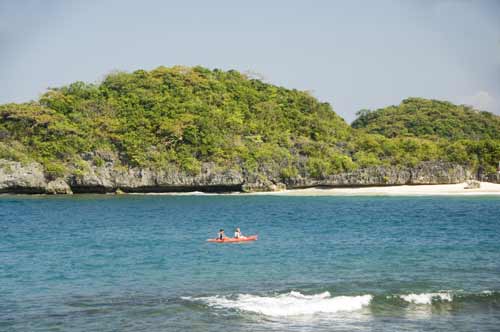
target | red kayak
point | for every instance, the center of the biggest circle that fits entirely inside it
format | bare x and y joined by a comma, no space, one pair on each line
233,240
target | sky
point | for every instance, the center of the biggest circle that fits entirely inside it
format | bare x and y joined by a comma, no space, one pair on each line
353,54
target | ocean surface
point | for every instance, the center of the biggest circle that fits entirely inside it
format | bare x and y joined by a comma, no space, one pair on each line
142,263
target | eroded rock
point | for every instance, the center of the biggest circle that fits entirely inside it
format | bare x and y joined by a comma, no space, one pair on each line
58,187
110,176
22,178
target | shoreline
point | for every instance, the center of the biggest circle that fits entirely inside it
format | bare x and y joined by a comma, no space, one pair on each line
486,189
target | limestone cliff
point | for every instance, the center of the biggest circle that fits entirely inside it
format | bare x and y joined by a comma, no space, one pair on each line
16,177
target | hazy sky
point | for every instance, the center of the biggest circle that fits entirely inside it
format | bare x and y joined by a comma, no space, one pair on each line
353,54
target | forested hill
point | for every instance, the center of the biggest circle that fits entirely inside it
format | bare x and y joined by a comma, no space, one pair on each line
418,117
181,116
190,127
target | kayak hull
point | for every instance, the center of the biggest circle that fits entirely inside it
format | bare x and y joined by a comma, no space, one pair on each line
234,240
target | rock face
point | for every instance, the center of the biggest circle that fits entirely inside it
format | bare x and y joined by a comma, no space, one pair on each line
16,177
58,186
495,177
108,178
425,173
266,185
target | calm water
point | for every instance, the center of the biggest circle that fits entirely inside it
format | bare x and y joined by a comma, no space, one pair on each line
141,263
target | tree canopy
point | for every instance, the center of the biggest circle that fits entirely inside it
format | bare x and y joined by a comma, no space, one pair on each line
418,117
183,117
465,135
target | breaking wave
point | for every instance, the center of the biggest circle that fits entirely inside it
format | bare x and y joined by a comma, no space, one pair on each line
427,298
295,303
288,304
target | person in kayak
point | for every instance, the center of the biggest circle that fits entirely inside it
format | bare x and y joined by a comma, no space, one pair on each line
238,235
221,235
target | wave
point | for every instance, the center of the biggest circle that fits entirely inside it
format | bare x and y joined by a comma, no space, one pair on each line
295,303
288,304
427,298
486,296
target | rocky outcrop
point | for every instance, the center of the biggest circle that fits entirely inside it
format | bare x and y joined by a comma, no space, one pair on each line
425,173
492,177
110,177
58,187
473,184
263,185
16,177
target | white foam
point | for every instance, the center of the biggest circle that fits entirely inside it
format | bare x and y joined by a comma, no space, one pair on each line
288,304
426,298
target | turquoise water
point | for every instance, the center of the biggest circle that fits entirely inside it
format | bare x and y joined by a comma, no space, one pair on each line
142,263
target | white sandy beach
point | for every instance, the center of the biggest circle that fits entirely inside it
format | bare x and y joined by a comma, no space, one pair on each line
486,188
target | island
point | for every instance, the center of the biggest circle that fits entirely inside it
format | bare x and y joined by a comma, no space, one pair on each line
183,129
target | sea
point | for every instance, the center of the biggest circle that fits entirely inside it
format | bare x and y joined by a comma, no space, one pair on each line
322,263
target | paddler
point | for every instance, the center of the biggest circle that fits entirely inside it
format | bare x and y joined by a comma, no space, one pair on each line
220,235
238,235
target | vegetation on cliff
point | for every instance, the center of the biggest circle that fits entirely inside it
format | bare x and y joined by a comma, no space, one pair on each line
182,117
418,117
463,134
